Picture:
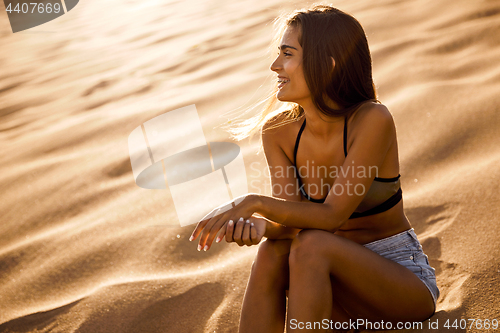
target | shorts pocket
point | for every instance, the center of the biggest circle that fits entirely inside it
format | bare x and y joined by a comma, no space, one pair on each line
405,256
398,255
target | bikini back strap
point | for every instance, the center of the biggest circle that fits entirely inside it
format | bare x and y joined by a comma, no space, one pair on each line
386,205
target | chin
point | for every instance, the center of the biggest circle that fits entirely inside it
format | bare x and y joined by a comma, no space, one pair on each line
281,98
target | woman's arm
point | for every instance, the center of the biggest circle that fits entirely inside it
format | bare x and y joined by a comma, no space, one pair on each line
283,182
283,186
277,231
366,155
375,133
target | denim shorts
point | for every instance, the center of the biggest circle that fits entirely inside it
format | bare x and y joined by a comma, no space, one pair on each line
405,249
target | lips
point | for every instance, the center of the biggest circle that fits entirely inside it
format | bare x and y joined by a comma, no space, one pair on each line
282,81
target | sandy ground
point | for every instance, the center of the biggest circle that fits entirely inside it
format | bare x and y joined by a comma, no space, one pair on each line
84,249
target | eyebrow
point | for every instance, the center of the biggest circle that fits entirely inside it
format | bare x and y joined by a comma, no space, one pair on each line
282,47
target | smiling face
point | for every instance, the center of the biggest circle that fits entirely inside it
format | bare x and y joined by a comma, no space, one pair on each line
288,65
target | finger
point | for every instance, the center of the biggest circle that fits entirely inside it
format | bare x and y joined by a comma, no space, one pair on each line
203,223
238,231
209,232
253,234
246,234
205,231
213,233
222,233
198,229
230,231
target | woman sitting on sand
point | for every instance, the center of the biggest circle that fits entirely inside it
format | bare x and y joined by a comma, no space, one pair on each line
352,254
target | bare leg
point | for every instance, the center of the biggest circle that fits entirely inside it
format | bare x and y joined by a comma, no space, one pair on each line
371,286
338,313
264,304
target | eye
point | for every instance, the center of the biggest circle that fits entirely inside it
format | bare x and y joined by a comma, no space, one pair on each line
287,54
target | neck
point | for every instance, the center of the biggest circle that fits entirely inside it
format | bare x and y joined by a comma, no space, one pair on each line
320,125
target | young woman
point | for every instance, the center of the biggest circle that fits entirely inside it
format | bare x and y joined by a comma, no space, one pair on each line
338,242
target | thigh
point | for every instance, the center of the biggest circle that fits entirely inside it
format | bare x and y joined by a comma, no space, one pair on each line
367,285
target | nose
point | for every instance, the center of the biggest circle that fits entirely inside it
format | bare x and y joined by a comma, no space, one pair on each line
276,65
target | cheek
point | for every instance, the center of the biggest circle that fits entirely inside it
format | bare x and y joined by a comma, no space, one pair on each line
298,73
300,80
292,68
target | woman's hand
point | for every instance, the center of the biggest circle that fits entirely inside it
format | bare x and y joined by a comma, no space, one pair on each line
207,229
244,232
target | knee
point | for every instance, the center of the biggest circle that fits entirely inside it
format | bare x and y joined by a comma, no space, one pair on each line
272,257
308,248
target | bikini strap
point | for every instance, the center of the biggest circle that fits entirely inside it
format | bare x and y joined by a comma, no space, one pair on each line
297,142
384,206
300,133
301,186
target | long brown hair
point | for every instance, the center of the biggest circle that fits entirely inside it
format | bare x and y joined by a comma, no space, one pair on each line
324,32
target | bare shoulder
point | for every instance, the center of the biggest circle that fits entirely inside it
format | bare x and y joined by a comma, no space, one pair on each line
373,112
278,137
373,116
279,128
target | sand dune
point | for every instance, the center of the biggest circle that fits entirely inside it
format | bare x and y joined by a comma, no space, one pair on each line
84,249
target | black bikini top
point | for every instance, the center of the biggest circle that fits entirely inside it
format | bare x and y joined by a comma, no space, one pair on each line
383,194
